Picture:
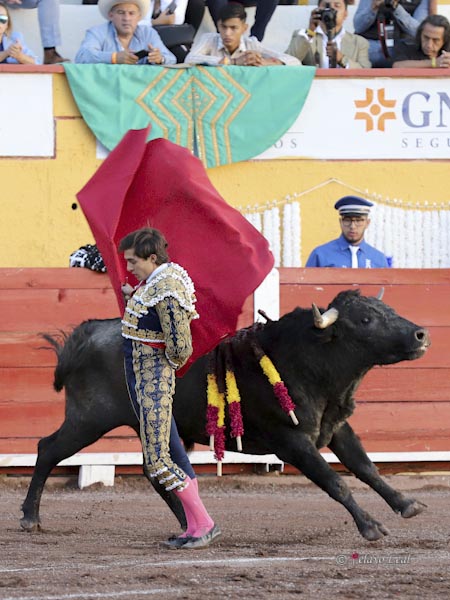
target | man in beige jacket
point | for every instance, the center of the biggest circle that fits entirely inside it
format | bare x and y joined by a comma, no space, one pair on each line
326,44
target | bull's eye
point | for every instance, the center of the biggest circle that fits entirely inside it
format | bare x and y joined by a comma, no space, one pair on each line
365,320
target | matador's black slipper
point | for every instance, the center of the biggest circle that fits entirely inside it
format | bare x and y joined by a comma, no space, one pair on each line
175,543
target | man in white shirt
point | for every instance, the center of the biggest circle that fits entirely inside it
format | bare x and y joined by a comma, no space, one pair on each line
231,47
326,44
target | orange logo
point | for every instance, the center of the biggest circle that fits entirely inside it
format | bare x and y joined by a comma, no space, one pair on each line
376,114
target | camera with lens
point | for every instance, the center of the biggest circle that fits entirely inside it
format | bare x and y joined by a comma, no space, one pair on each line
328,16
387,8
386,25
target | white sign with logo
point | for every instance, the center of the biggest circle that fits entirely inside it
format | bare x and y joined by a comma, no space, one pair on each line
379,118
26,106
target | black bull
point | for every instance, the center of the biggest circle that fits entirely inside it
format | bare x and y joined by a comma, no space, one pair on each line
321,359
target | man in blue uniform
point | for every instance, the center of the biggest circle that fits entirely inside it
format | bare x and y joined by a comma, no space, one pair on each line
349,250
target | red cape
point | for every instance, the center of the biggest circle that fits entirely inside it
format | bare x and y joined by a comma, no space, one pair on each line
162,185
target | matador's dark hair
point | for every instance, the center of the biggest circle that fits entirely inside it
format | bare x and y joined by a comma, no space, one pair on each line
146,241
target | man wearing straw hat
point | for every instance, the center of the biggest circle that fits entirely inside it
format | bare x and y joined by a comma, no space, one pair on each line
122,40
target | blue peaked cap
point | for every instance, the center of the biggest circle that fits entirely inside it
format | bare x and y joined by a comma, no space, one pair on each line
353,205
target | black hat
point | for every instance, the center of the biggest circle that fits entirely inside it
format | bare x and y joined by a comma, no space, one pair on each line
353,205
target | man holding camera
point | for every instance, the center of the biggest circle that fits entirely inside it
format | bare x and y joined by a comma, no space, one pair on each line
326,44
384,22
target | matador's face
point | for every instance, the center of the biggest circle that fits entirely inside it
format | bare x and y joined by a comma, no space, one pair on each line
141,268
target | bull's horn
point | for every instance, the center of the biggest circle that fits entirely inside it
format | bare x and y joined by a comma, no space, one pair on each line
325,320
265,316
380,294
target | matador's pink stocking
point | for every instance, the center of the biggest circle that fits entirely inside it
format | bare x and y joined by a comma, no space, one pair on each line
198,520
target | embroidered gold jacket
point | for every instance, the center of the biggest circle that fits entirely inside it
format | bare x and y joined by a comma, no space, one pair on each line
161,312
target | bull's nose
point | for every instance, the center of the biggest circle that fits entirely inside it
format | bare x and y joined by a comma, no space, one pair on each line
423,336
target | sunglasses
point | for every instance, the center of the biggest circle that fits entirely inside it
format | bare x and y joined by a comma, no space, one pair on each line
4,19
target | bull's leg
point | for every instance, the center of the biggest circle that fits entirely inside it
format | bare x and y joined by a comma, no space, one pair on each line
299,451
347,447
61,444
67,441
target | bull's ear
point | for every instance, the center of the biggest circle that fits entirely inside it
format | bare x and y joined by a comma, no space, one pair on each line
328,318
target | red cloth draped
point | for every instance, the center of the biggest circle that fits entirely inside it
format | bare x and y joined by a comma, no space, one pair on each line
162,185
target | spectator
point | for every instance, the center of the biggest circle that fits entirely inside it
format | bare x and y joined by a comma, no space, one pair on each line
187,11
350,249
195,12
170,18
48,16
167,12
122,38
326,43
431,47
384,22
264,12
229,46
12,46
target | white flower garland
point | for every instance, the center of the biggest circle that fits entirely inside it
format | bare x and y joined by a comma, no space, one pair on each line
287,235
283,232
444,250
296,235
276,235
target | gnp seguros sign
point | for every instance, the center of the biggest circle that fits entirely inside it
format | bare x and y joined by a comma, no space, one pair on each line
379,118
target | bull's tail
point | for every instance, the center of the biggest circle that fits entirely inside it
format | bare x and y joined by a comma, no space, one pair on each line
58,346
74,350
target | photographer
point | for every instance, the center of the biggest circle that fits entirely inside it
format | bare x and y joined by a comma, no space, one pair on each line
384,22
326,44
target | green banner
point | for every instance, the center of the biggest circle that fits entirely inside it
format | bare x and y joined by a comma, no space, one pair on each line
224,114
242,111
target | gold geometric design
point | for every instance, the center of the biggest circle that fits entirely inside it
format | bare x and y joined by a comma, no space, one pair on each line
226,97
180,104
158,102
374,109
199,120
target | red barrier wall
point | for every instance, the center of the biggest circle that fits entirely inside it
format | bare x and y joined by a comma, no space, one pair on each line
401,408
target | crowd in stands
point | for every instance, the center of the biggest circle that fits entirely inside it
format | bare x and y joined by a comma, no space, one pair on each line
48,16
388,33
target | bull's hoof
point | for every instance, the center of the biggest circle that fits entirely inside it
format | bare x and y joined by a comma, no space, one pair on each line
374,531
30,525
412,509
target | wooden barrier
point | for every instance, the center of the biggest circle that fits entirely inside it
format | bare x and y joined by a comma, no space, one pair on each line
402,408
36,301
